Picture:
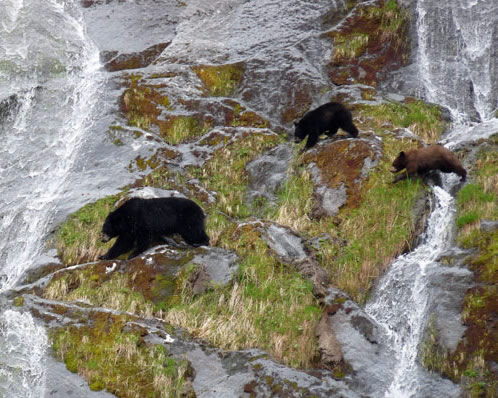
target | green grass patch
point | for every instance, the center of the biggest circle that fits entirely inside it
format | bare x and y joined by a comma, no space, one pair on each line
120,362
78,238
225,173
114,291
269,306
478,200
347,47
179,129
220,80
422,119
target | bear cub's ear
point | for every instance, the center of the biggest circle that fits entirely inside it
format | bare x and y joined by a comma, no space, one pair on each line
402,154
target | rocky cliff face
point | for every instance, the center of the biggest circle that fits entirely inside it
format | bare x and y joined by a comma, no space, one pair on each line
206,93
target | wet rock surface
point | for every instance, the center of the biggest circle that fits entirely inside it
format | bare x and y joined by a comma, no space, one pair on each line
269,172
157,54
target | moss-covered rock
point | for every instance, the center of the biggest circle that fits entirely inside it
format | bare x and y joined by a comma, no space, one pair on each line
372,41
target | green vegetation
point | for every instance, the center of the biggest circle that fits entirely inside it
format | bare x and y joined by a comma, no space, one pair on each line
78,238
225,172
370,27
393,21
374,235
478,200
421,118
220,80
140,104
110,358
91,285
269,306
347,47
178,129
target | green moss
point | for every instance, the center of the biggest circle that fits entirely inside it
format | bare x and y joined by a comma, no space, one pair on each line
108,357
18,301
372,40
220,80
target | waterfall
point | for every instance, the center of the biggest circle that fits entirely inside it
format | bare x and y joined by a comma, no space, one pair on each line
457,68
403,298
49,83
457,44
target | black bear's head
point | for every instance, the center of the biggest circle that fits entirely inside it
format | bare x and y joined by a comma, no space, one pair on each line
111,227
299,133
399,163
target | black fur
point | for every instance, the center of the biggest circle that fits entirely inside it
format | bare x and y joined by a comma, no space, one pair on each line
327,119
140,222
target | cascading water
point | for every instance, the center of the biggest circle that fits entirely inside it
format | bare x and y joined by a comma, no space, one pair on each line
49,84
402,301
461,37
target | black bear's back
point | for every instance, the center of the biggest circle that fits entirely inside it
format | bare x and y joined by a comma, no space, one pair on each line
324,114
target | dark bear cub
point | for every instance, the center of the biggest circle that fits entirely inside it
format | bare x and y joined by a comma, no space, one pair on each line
139,223
421,161
327,119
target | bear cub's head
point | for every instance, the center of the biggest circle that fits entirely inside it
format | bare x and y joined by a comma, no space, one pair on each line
399,163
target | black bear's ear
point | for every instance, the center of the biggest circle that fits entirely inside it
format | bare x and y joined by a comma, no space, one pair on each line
402,154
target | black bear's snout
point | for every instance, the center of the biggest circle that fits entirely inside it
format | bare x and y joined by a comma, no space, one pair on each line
297,140
105,238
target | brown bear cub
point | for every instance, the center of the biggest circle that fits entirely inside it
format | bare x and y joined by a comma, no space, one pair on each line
422,160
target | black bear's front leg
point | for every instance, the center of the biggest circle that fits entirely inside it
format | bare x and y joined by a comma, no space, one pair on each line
122,245
312,140
332,130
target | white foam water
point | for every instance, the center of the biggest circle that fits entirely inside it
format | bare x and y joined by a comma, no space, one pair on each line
400,304
23,345
51,69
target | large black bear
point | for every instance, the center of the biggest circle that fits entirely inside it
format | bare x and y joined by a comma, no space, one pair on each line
327,119
422,160
140,222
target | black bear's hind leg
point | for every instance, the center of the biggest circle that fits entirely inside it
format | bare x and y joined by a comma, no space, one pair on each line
332,130
143,244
